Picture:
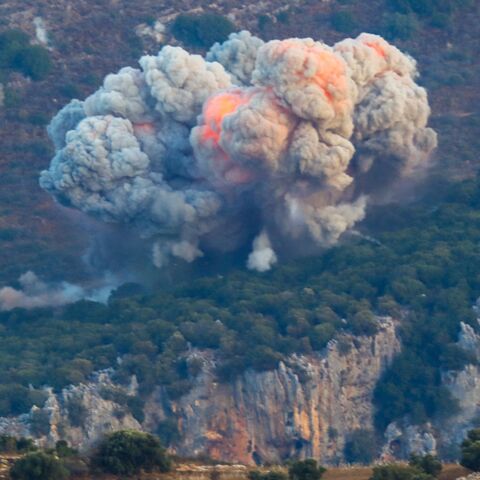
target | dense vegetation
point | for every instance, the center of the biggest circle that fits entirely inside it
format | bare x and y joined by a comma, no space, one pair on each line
125,453
38,466
297,470
398,472
361,447
17,54
470,450
422,266
428,464
202,30
426,467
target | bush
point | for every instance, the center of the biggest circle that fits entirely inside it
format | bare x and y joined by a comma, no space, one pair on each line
361,447
272,475
202,30
38,466
126,452
398,472
11,41
470,450
25,445
428,464
8,444
16,53
63,450
306,470
33,61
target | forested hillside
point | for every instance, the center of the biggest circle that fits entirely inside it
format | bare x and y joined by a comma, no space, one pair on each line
419,265
417,261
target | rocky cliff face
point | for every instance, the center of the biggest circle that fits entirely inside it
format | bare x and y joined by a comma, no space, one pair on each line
444,436
306,407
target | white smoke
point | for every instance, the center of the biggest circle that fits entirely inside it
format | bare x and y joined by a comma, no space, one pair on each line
278,141
35,293
262,257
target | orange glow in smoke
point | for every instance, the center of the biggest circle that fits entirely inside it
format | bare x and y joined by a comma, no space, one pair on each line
329,76
144,128
215,110
378,48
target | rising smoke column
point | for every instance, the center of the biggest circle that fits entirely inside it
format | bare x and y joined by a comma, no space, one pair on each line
266,144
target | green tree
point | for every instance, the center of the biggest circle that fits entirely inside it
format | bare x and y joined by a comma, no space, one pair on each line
271,475
33,61
202,30
126,452
470,450
361,447
398,472
305,470
38,466
428,464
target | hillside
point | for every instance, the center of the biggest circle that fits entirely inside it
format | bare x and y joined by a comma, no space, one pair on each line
89,39
367,342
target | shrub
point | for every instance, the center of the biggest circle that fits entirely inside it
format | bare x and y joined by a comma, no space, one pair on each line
398,472
8,444
126,452
361,447
272,475
63,450
25,445
33,61
202,30
38,466
305,470
470,450
11,41
428,464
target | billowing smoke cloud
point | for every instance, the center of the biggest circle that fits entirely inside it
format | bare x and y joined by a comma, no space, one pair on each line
262,257
34,293
278,141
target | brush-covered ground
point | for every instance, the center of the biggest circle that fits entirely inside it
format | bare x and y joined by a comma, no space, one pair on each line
89,38
189,472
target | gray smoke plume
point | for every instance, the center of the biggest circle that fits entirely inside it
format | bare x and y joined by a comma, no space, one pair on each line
35,293
277,141
238,56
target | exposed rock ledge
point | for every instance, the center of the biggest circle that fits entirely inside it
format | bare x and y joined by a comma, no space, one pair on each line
306,407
